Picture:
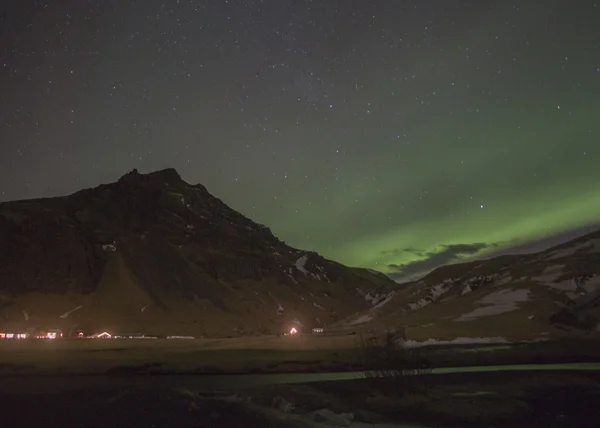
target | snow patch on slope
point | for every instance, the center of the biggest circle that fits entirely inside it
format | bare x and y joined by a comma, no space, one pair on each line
497,303
384,301
109,247
300,263
361,320
279,307
434,294
457,341
66,314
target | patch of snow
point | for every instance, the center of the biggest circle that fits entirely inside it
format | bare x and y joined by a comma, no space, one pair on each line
384,301
293,279
183,200
497,303
434,293
466,290
361,320
421,303
503,280
276,254
566,285
573,295
144,308
326,417
440,289
279,307
189,226
26,315
316,305
109,247
374,272
300,263
66,314
368,297
457,341
592,284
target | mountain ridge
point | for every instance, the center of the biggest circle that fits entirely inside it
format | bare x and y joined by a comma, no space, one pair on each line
551,293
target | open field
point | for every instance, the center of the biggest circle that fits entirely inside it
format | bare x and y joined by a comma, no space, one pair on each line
443,399
268,354
255,354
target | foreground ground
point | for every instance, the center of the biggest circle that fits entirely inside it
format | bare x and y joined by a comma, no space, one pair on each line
463,400
160,383
269,354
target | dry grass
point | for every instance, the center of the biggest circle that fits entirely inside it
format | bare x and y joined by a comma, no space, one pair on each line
269,353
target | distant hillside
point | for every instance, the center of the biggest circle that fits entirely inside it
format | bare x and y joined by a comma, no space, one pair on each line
549,294
155,255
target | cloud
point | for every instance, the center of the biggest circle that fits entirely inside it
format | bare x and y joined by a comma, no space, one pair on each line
396,252
431,260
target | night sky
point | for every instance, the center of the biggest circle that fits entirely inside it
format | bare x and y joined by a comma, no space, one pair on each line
395,135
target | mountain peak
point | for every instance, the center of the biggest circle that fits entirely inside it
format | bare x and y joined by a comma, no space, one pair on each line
168,175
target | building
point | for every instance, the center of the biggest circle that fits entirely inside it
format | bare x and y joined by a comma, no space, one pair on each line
12,336
129,336
13,331
55,333
317,330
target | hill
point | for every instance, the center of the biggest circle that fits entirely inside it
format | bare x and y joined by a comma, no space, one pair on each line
153,254
549,294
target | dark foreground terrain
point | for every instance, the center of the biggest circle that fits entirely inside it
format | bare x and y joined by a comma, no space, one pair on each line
540,399
267,382
300,354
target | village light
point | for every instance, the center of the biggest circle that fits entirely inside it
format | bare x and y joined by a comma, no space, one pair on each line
293,330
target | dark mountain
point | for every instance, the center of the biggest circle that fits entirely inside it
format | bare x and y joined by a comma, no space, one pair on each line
153,254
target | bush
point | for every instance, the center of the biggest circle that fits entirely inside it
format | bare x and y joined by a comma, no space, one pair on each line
402,368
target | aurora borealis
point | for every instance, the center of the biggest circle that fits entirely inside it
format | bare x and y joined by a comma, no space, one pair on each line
394,135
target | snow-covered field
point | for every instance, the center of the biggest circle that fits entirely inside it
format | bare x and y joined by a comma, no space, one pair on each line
361,320
457,341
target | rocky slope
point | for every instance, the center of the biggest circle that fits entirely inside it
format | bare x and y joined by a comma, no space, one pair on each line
155,255
549,294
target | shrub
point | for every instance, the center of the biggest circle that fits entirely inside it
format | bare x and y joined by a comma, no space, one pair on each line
386,357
